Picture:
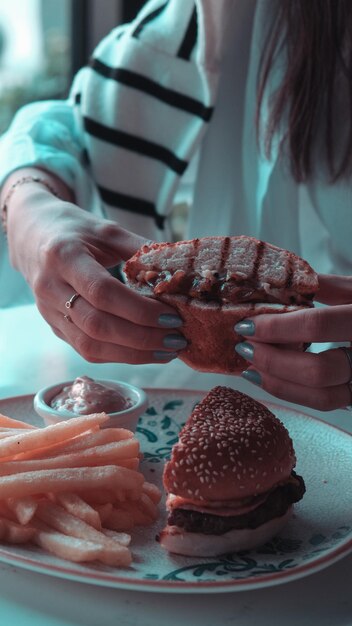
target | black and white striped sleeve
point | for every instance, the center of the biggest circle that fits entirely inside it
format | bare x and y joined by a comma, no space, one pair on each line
144,102
134,118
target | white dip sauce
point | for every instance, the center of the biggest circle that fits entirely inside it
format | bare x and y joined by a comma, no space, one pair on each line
86,396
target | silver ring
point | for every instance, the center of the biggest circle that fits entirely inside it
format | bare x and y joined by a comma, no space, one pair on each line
348,353
70,302
68,318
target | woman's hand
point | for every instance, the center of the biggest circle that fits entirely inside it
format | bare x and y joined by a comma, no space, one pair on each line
61,250
319,380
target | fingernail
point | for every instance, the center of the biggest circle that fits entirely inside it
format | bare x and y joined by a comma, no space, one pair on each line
246,327
245,349
170,321
164,356
252,376
175,342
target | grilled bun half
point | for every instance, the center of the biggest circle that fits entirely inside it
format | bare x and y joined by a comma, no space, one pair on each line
213,283
230,481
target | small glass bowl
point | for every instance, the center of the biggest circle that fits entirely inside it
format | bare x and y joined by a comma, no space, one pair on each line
127,418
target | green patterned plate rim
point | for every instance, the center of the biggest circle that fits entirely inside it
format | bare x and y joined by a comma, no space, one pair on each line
318,535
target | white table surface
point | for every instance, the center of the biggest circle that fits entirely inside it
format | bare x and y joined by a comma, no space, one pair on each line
32,357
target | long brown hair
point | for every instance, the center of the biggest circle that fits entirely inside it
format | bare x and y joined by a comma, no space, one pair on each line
316,37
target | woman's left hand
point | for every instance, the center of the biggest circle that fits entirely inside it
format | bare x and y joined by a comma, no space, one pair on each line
319,381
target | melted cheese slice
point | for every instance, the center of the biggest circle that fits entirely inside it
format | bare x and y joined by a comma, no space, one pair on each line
225,508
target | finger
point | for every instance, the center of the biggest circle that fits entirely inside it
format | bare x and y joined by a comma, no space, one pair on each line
58,333
126,242
334,289
324,324
112,329
98,352
326,369
62,336
106,327
322,399
104,292
105,352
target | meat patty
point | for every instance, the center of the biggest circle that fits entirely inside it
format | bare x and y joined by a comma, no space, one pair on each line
219,288
277,503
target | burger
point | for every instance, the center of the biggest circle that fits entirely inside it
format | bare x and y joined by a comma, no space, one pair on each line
230,481
213,283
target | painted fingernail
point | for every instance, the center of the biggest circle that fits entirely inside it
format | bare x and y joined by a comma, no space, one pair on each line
252,376
170,321
164,356
175,342
246,327
245,349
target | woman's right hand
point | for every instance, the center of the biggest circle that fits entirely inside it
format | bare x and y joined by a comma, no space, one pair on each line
61,250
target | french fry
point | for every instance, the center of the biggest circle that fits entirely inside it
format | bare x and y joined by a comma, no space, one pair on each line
119,520
152,491
96,497
73,478
73,488
104,511
80,442
139,517
132,464
123,538
12,532
6,431
132,494
72,503
147,506
10,422
5,511
100,437
109,453
80,550
56,517
55,448
41,437
24,508
120,496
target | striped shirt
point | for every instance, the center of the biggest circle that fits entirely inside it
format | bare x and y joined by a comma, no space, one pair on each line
179,80
135,115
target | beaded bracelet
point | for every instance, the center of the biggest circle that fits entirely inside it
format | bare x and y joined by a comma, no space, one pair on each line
19,183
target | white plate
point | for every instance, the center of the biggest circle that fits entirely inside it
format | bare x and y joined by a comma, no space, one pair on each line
319,534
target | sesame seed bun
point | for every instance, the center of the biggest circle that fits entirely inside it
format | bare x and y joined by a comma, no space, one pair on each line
231,448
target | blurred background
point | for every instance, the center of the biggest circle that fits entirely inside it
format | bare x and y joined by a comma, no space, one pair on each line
44,42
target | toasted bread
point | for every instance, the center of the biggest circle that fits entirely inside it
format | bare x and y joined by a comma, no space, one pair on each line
215,282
